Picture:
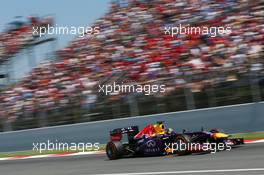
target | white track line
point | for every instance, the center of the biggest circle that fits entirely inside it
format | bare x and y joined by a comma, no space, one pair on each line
52,155
188,172
254,141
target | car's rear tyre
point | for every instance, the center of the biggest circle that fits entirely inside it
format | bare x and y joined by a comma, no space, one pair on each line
182,140
114,150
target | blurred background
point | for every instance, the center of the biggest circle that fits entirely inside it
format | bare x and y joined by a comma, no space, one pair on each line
60,85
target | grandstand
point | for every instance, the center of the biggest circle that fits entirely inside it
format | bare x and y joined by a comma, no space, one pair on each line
199,71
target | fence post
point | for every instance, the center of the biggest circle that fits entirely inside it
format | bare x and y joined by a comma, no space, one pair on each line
42,119
255,90
133,105
7,125
211,91
189,95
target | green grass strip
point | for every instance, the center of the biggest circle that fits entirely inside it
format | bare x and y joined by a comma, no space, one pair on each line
249,136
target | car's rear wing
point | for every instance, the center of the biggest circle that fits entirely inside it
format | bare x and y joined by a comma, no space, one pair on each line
124,130
131,131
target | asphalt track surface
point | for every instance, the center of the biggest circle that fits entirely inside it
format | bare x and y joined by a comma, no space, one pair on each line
245,160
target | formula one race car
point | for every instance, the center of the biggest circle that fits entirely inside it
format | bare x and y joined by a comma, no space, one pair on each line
156,140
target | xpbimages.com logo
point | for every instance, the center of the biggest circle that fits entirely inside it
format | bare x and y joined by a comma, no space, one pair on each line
197,147
81,31
64,146
146,89
196,30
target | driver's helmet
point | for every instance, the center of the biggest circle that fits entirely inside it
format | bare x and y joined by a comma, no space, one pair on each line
160,127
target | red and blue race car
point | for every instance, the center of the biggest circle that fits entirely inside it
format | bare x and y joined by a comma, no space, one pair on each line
156,139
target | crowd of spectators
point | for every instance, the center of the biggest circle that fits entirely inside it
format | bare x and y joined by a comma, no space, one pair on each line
132,48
